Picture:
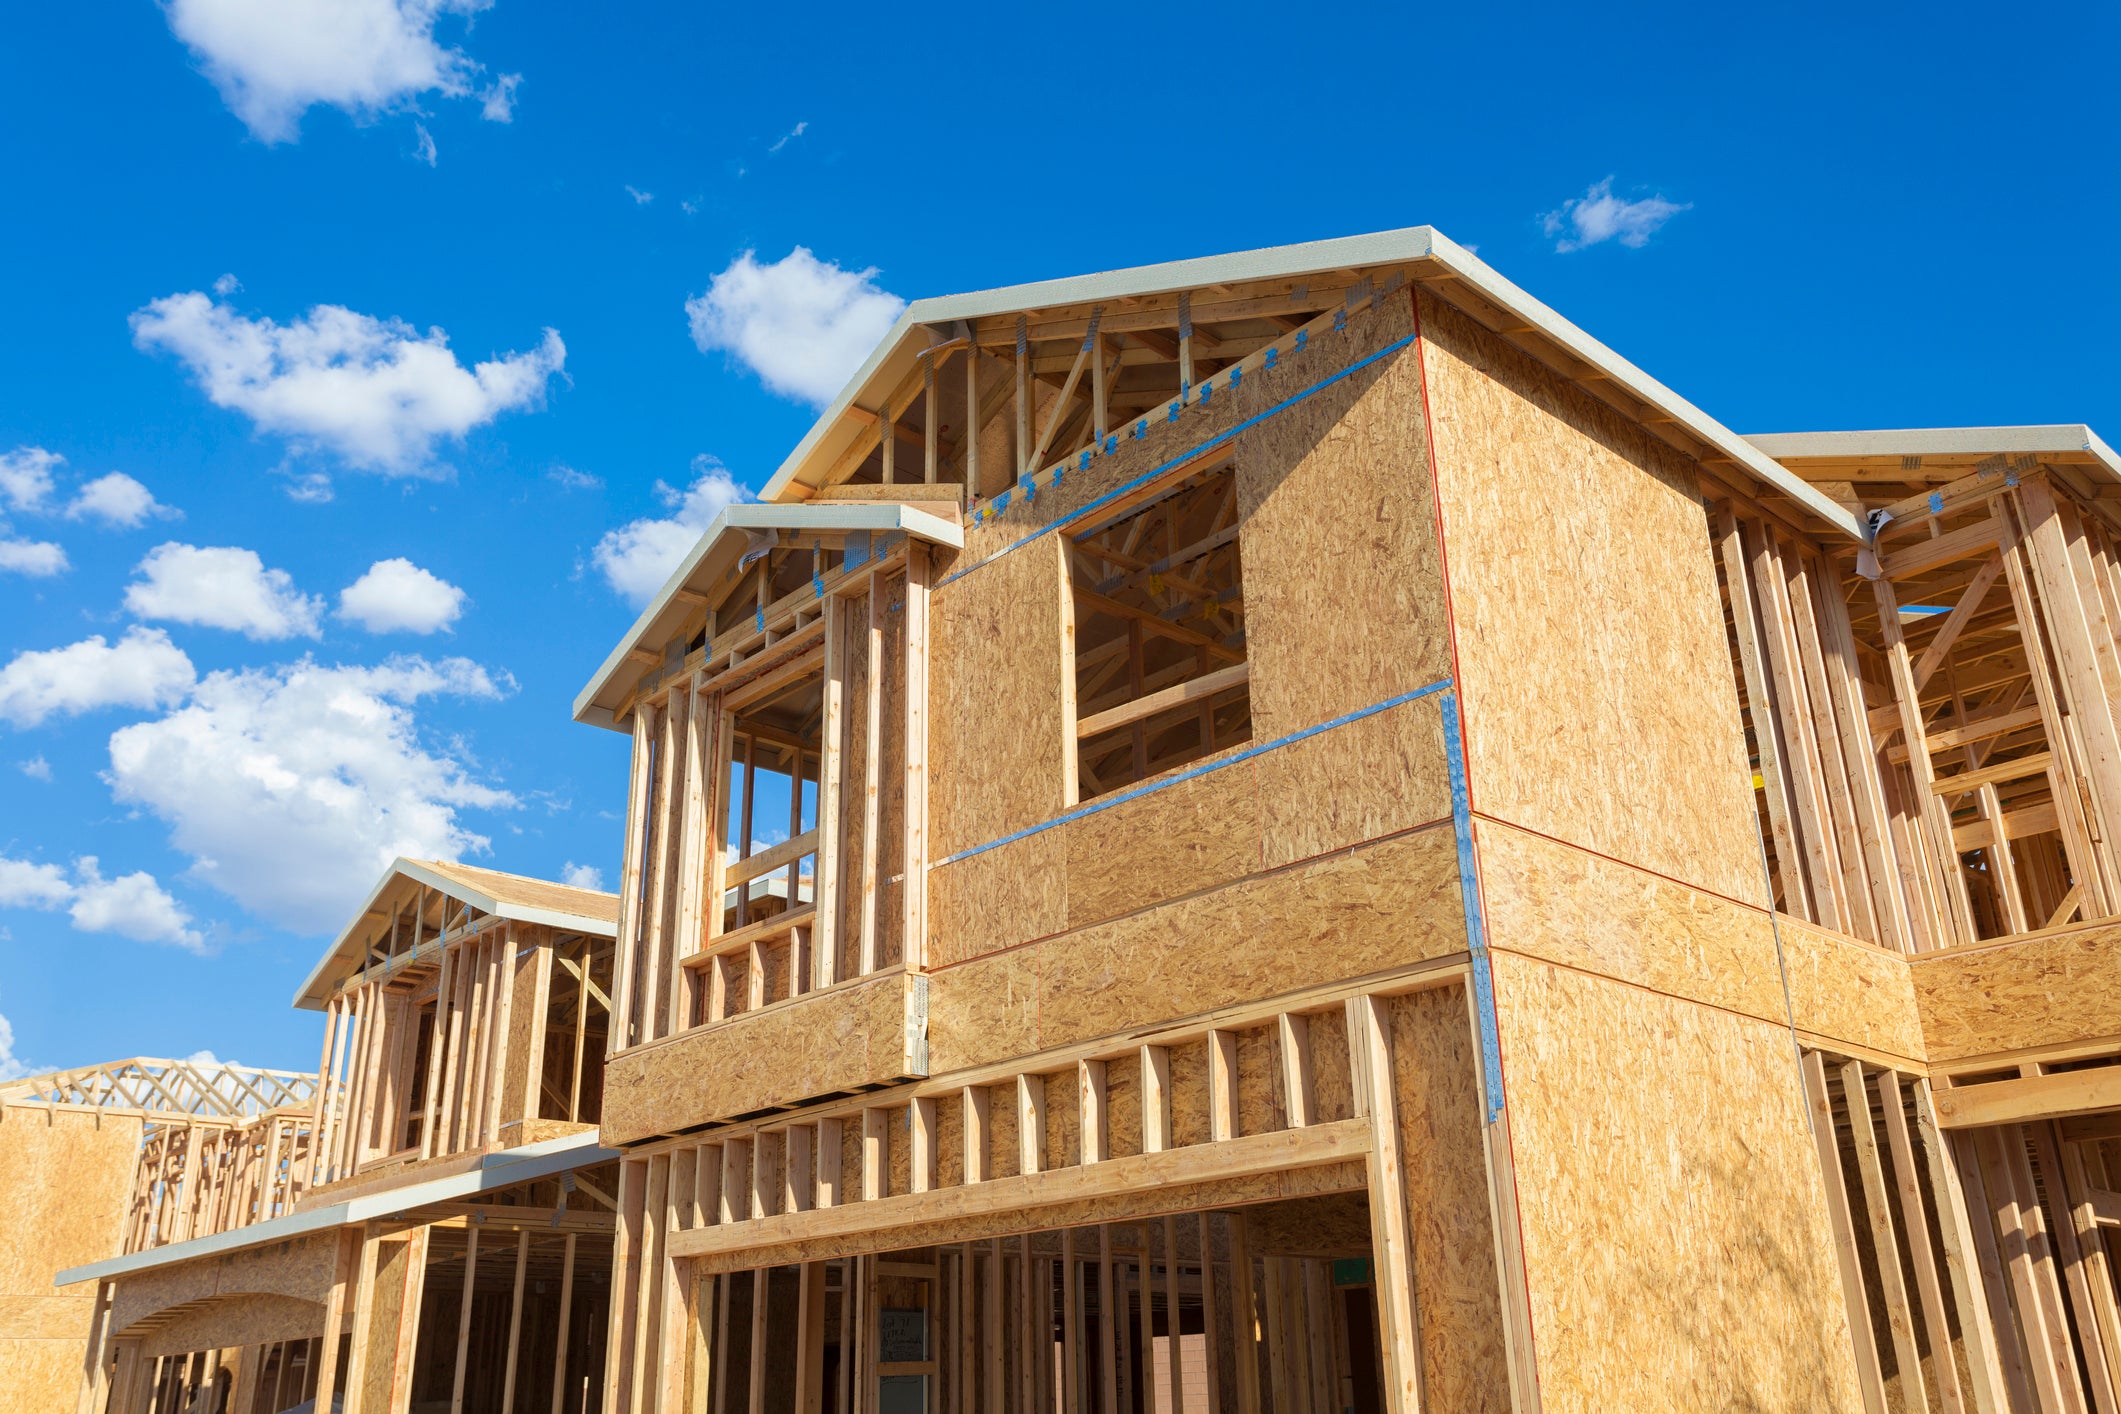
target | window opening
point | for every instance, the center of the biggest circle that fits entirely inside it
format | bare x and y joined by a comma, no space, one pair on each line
1161,676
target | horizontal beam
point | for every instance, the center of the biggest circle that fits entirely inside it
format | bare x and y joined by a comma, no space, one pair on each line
1285,1149
1177,695
2017,770
743,871
1925,555
2073,1092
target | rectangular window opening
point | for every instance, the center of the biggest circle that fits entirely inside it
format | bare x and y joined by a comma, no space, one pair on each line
1161,676
775,750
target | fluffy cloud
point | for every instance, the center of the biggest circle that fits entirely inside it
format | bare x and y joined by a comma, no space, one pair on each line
11,1068
374,391
221,586
638,556
292,788
1599,216
274,59
142,669
36,768
397,595
640,198
132,905
117,500
802,324
37,559
582,876
26,477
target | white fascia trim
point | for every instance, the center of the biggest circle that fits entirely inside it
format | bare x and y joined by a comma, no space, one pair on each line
1943,441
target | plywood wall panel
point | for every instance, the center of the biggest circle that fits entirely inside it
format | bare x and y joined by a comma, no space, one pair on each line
1675,1232
1458,1294
1369,910
69,1177
1191,836
997,899
1343,584
836,1041
234,1321
1372,777
1567,905
41,1376
1599,707
2049,990
996,736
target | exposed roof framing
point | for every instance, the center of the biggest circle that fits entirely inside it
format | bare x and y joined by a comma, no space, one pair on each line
165,1088
855,531
1891,466
1272,285
494,1171
419,901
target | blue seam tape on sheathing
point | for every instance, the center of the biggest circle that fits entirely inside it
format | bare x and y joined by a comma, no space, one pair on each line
817,560
1936,504
761,612
1058,470
1176,406
1303,336
1469,892
1237,373
1030,490
1084,465
979,515
1001,503
1207,391
1272,355
1340,320
1111,443
1141,429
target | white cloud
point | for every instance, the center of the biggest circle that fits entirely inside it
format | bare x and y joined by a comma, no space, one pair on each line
36,768
221,586
143,669
573,480
582,876
398,595
10,1067
27,885
790,136
423,145
640,198
1599,216
293,787
638,556
26,477
374,391
802,324
497,104
38,559
132,905
227,285
117,500
274,59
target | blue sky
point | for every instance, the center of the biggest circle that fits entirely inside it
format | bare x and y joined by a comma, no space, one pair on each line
292,582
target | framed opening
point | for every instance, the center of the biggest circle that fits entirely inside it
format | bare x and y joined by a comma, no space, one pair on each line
1161,676
776,746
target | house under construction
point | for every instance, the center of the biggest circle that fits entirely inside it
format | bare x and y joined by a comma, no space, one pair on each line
1283,833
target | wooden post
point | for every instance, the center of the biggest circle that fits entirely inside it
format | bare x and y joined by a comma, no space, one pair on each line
2049,1363
1943,1370
1071,1326
628,941
1156,1099
914,795
1391,1238
1245,1315
1031,1123
810,1339
1892,1287
825,947
471,1271
559,1353
1870,1380
345,1277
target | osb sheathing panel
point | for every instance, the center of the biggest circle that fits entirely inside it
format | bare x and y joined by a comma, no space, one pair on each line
1570,906
1457,1292
1590,631
40,1376
2041,991
68,1175
46,1317
826,1044
1343,584
233,1321
1353,914
530,946
301,1268
1676,1245
1337,1225
1381,775
996,736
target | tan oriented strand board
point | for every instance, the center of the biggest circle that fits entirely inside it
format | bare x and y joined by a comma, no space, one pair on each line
1343,584
68,1175
301,1269
1675,1231
234,1321
2048,990
997,742
994,900
1567,905
1598,704
1385,906
42,1376
1192,836
826,1044
1377,776
1457,1292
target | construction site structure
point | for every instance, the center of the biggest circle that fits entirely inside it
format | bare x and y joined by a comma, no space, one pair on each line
1283,833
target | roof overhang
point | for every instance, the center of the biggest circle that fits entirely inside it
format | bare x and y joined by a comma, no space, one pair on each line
1829,456
724,548
489,897
1423,251
503,1170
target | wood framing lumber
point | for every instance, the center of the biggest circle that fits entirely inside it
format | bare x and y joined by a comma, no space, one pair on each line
2074,1092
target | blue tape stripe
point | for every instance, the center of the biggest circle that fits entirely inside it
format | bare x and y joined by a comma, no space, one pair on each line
1148,476
1476,928
1205,769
